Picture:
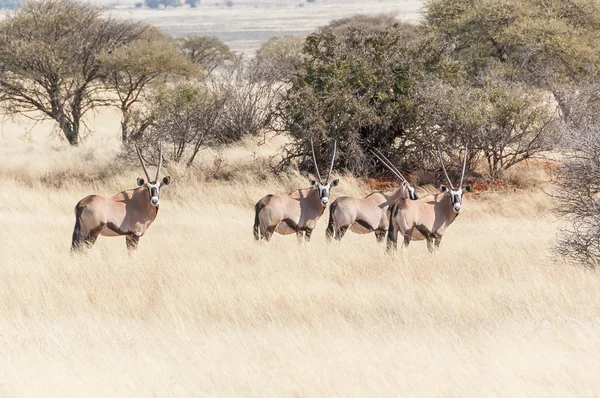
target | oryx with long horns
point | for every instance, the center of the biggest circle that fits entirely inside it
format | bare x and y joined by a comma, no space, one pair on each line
368,214
128,213
429,216
297,212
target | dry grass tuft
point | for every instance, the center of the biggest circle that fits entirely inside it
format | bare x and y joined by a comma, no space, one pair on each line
202,309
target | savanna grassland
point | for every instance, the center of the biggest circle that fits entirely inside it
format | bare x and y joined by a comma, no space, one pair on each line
201,309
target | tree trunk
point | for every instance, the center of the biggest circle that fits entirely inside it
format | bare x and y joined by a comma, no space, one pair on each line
70,130
124,128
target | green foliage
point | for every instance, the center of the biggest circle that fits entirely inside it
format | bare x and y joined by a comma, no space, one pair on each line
540,42
356,84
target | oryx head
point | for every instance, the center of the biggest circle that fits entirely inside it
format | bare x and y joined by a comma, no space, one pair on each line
324,187
409,190
456,194
152,185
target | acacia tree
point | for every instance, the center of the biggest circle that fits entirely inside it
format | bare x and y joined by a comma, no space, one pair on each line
549,44
133,68
49,60
209,52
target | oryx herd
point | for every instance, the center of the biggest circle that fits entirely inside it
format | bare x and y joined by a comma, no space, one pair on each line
401,211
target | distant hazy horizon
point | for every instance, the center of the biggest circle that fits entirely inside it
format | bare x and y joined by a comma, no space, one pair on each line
248,24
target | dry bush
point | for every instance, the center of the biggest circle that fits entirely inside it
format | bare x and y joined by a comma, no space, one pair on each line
578,195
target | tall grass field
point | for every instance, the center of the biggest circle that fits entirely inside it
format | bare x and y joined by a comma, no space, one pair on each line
203,310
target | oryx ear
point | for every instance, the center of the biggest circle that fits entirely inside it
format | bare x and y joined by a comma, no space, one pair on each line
335,182
313,183
469,188
166,180
443,188
140,182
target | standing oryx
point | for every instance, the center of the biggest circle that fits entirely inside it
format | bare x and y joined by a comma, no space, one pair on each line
368,214
297,212
429,216
127,213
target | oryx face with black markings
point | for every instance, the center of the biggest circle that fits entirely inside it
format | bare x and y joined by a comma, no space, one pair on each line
154,188
324,189
456,196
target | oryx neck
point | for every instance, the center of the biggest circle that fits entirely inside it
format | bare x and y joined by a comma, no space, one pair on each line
397,194
446,202
142,197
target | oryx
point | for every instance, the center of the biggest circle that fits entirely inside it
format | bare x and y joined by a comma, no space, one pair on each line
297,212
128,213
429,216
368,214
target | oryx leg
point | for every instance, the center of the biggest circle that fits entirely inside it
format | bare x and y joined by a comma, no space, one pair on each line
132,242
392,238
340,232
307,234
408,236
380,235
267,233
429,236
438,240
88,241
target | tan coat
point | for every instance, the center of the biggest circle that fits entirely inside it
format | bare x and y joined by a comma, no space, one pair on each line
128,213
425,218
297,212
363,215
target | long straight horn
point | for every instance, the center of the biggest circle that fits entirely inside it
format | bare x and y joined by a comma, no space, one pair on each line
462,175
312,145
332,160
137,149
444,168
388,163
160,159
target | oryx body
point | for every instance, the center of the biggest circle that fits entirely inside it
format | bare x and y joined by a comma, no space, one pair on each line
128,213
297,212
428,217
368,214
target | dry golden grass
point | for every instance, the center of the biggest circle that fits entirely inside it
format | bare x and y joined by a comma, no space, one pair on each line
201,309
